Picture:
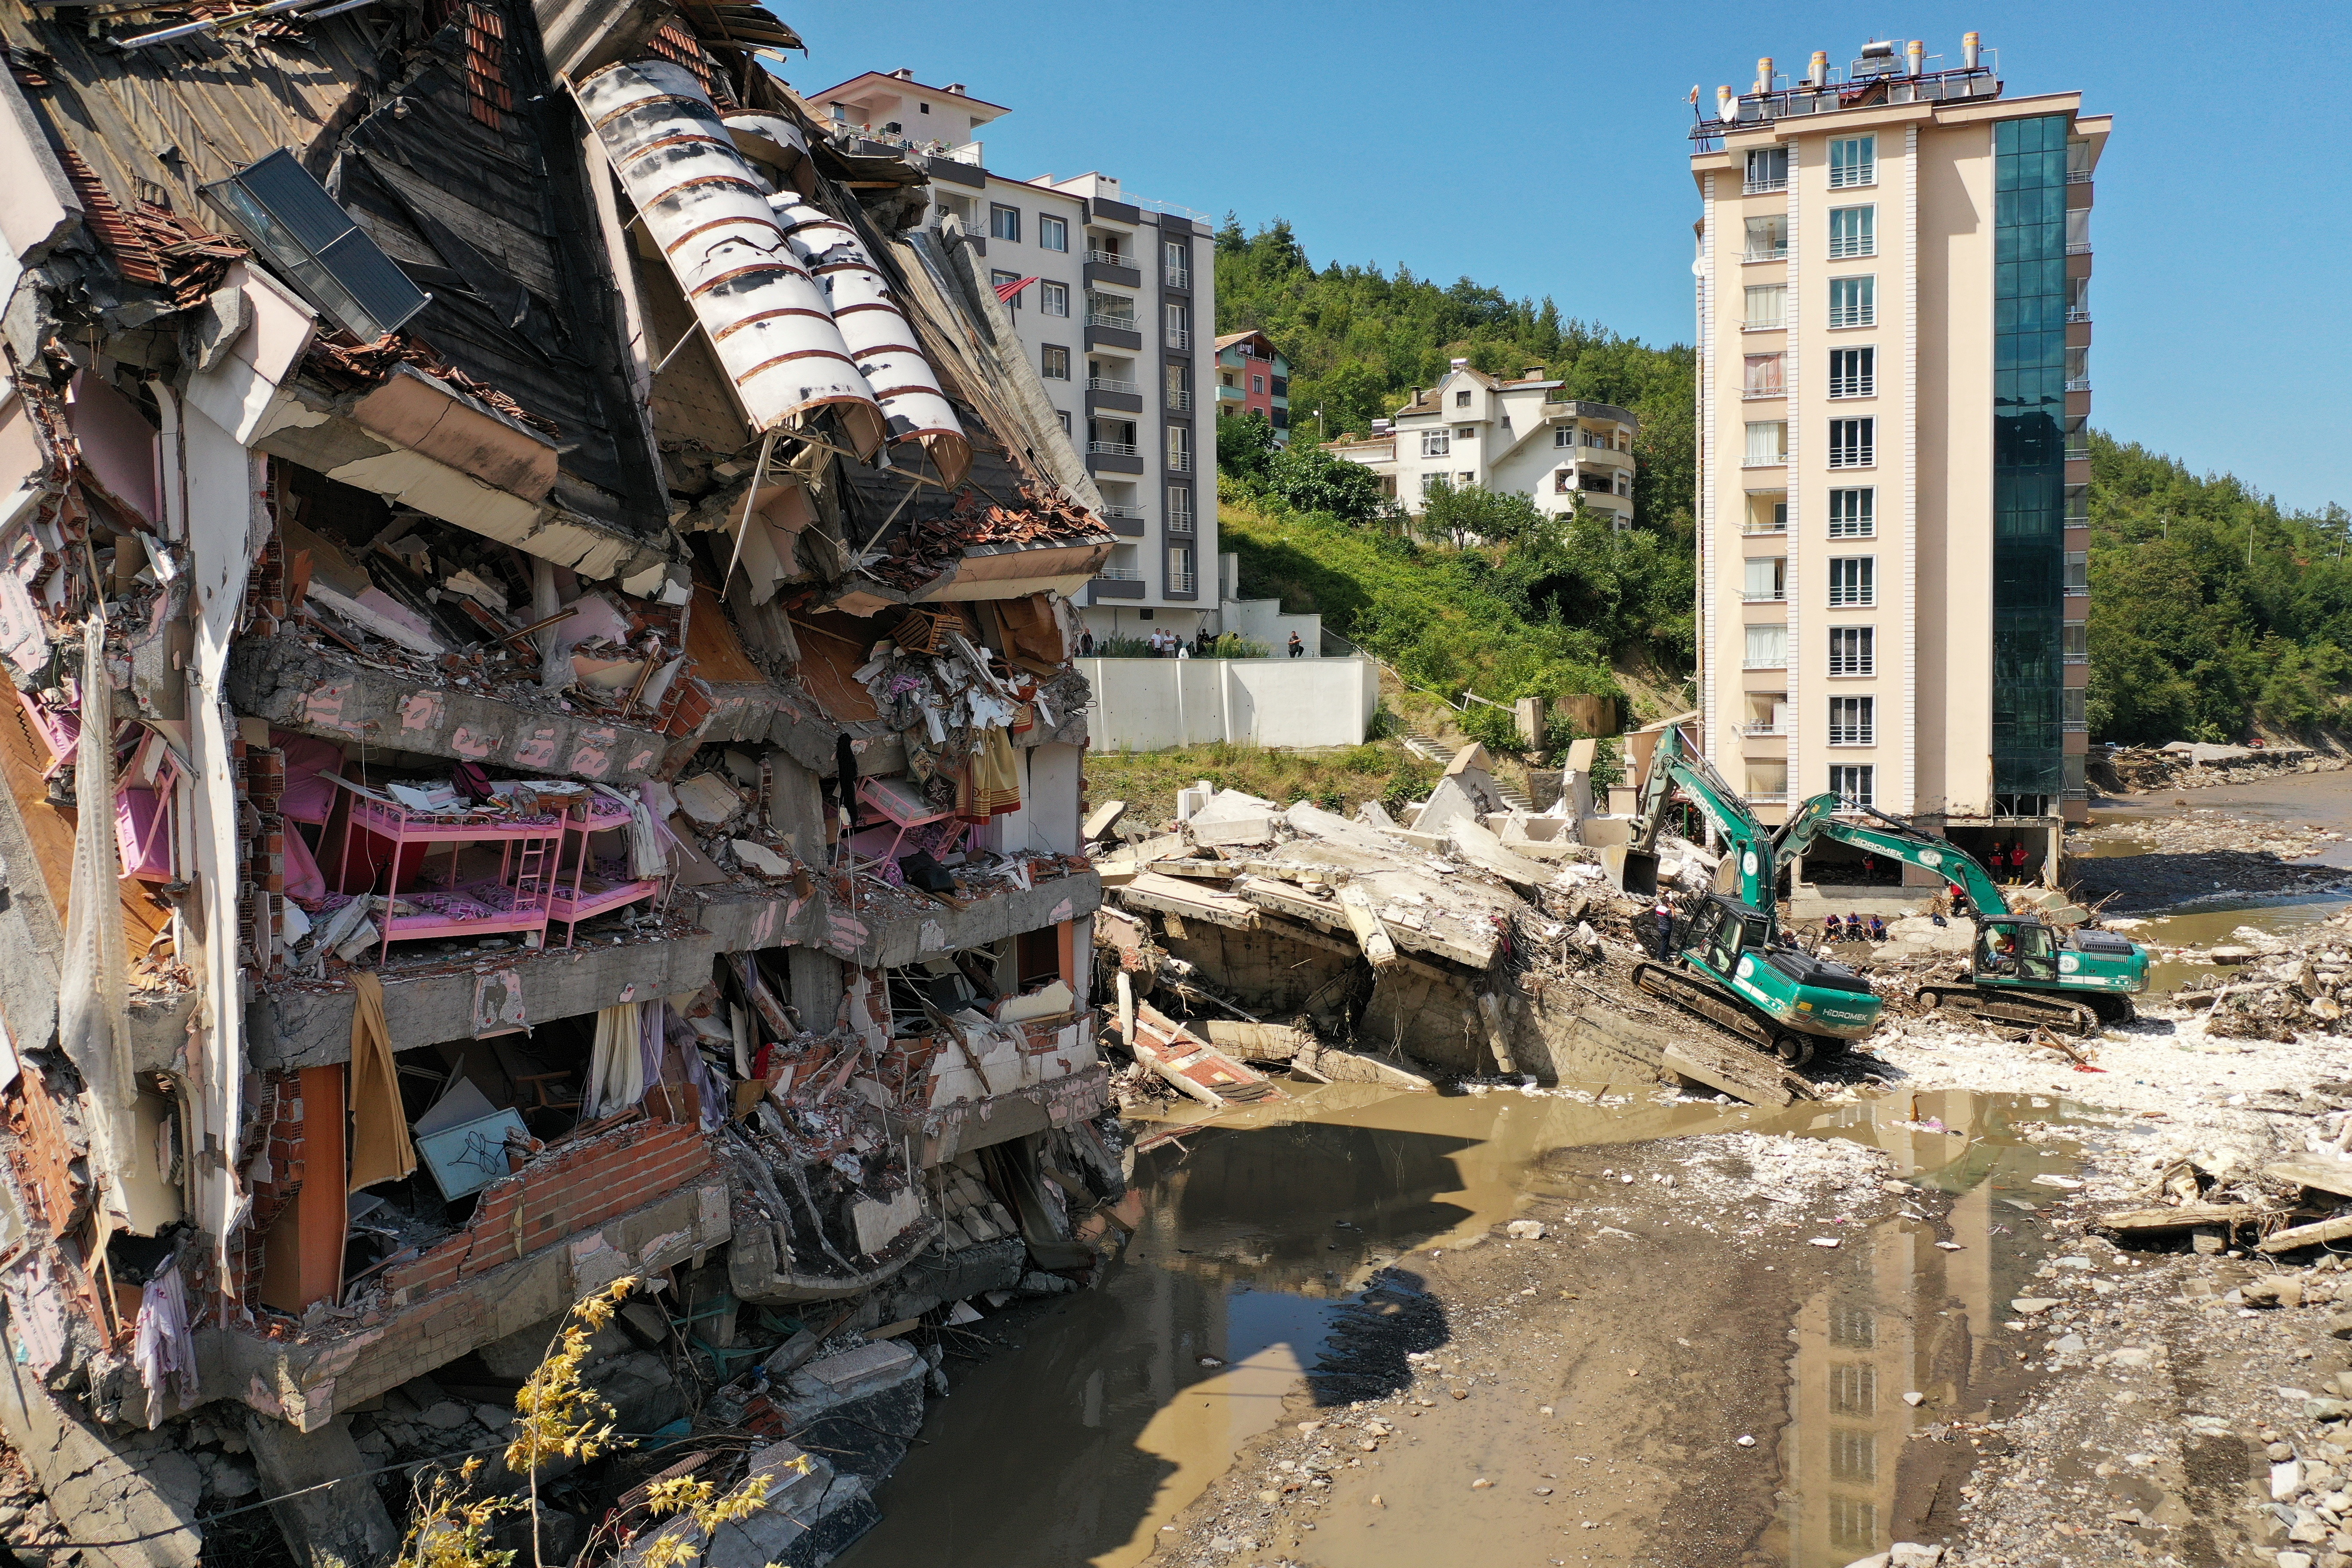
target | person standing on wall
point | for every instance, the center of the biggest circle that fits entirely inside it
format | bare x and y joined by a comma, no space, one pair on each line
1297,648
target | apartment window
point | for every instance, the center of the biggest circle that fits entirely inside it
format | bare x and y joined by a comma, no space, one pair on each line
1853,650
1768,647
1854,1523
1053,233
2074,642
1111,310
1853,721
1767,515
2078,505
1564,436
1853,443
1004,222
1258,384
2078,298
1763,377
1177,387
1429,483
1768,169
1180,569
1465,432
2078,160
1854,581
1768,238
1854,372
1054,364
1853,301
1176,259
1856,786
1853,161
2078,231
2073,714
1563,481
1624,483
1053,298
1853,231
1853,514
2078,572
2078,368
1000,279
1227,378
1767,308
1854,1457
1854,1325
1462,399
1436,443
1062,415
1179,449
1179,326
1179,510
1465,479
1768,442
1767,581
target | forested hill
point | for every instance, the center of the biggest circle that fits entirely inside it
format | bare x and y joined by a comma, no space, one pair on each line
1358,339
2210,608
2190,639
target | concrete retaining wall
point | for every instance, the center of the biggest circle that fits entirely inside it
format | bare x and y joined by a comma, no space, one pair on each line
1153,704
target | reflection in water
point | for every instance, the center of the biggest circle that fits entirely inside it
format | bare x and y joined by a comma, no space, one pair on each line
1905,1317
1077,1445
2208,925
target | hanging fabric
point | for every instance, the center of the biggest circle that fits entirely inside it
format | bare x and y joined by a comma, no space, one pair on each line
93,1023
163,1351
616,1074
381,1148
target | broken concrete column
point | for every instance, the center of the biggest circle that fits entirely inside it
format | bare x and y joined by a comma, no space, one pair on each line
861,1408
140,1509
330,1517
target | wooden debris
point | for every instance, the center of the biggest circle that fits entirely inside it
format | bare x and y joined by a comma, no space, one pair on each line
1195,1066
2327,1176
1734,1069
2184,1216
2287,1240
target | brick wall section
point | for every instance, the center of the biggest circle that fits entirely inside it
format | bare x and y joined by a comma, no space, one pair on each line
566,1191
281,1111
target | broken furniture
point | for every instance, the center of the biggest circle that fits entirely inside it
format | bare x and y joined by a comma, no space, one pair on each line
517,899
903,806
590,890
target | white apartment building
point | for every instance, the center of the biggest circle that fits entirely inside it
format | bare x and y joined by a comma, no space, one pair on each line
1115,301
1472,430
1893,329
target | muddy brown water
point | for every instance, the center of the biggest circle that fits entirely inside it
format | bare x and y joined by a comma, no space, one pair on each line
1099,1420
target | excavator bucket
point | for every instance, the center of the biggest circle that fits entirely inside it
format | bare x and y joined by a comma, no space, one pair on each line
1640,877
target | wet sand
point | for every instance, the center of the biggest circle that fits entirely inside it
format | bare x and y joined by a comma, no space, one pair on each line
1100,1436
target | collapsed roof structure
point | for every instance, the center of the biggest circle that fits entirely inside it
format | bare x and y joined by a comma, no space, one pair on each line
537,607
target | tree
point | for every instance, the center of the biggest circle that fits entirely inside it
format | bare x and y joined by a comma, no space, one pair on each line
1245,444
1308,478
1475,515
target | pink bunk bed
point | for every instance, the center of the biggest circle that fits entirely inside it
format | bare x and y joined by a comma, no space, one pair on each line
517,899
591,889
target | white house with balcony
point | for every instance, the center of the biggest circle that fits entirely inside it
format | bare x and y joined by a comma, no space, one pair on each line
1518,434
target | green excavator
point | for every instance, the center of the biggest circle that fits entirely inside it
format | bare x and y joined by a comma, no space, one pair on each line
1725,959
2021,969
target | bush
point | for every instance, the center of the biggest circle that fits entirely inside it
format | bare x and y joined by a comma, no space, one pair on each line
1123,647
1497,729
1233,645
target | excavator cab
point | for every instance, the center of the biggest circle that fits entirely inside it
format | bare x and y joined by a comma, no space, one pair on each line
1720,930
2014,950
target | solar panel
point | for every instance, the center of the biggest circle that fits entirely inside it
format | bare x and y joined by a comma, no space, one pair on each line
300,229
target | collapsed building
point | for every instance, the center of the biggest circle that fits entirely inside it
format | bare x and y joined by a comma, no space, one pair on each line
536,593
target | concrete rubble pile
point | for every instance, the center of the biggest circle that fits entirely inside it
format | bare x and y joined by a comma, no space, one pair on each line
545,756
2195,765
1471,939
2259,985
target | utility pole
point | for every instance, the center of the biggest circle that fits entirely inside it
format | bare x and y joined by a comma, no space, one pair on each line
1319,425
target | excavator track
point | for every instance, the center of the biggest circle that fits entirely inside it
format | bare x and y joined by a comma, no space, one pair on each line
1793,1049
2027,1008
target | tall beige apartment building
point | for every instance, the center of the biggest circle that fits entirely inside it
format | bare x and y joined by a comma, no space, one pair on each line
1892,268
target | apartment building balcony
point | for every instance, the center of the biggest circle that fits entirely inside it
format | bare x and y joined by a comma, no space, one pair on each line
1179,338
1764,730
1752,529
1115,321
1764,185
1102,269
1231,395
1853,735
1110,258
1180,525
1114,457
1177,277
1179,401
1183,583
1764,253
1114,402
2078,316
1107,332
1764,596
1762,394
1844,387
1105,587
1179,462
1119,575
1127,522
1106,384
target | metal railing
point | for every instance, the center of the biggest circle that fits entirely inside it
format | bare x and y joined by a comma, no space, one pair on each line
1768,797
1765,727
2078,383
1779,663
1852,246
2077,313
1752,529
2078,177
1752,394
1179,462
1764,597
1109,258
2078,454
1854,385
1767,253
1105,384
1114,448
1180,522
1178,276
2078,247
1854,177
1764,186
1181,581
1855,455
1120,575
1854,734
1125,513
1104,319
1855,315
1179,338
1182,402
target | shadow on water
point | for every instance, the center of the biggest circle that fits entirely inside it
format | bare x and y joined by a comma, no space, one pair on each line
1121,1402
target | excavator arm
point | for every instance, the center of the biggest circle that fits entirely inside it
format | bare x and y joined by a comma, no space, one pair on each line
1896,840
1749,841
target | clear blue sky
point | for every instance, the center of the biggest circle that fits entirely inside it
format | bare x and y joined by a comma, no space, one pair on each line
1540,149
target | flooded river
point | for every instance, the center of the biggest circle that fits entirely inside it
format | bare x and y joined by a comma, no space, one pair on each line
1103,1416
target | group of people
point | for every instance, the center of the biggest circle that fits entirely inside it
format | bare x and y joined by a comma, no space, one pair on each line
2008,861
1854,927
1165,643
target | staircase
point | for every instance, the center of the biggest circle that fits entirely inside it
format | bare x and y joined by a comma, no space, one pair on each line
1421,744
